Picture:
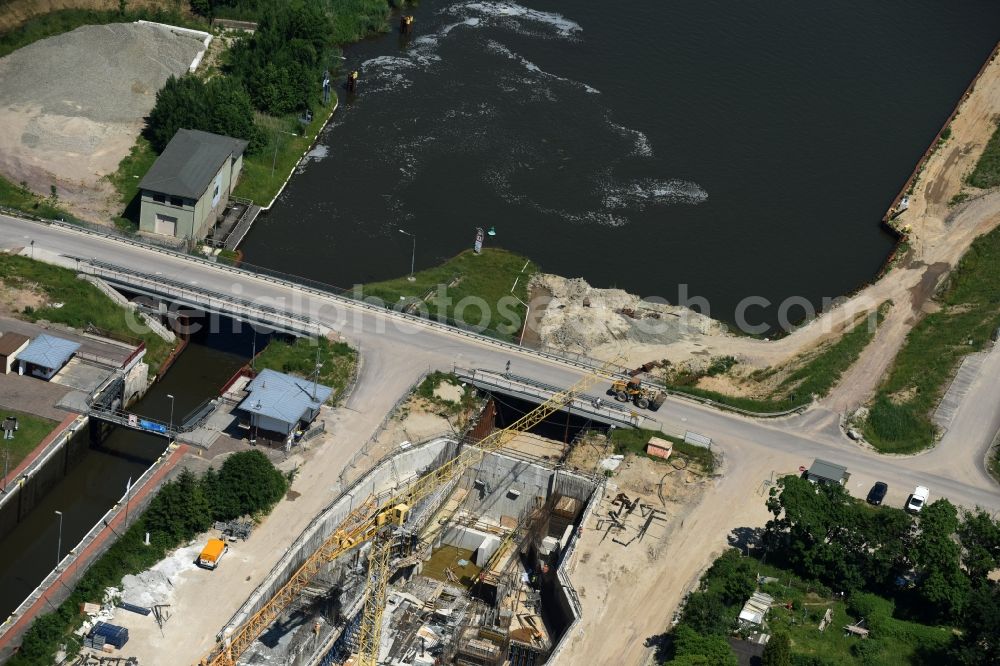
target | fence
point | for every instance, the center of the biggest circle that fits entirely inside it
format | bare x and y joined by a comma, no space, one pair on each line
78,559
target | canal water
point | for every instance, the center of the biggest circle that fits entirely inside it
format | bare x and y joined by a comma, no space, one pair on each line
741,148
97,472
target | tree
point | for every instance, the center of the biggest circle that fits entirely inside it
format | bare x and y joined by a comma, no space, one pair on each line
778,651
979,535
247,483
691,648
979,644
936,557
221,106
707,614
181,509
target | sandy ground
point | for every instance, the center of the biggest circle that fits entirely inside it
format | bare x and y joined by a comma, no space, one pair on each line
54,131
631,592
939,236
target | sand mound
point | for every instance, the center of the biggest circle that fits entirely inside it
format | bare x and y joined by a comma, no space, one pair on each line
578,317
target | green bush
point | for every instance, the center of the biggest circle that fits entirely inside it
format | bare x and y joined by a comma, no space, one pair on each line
247,483
987,171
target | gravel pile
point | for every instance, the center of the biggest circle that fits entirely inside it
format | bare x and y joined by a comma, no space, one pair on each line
108,73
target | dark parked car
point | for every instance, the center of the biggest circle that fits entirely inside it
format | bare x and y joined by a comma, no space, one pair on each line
877,493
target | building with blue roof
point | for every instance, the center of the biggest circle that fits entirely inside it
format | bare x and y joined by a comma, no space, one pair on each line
280,403
46,355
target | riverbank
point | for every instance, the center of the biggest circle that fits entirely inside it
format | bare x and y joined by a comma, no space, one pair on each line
939,234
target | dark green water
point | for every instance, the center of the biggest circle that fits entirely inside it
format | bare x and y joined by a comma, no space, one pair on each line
88,481
738,148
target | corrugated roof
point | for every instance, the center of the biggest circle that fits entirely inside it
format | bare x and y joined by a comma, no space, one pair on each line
756,607
11,342
283,397
48,351
827,470
189,163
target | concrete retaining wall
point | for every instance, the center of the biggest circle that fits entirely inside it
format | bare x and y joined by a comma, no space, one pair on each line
385,477
504,486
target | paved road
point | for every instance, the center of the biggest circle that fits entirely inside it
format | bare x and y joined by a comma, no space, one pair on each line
395,352
394,347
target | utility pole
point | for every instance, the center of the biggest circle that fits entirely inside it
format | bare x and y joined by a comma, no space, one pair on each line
316,374
413,254
171,412
59,543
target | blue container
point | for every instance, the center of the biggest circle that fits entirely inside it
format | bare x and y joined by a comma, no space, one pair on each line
112,633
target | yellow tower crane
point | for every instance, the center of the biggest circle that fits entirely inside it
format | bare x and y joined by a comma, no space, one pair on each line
373,520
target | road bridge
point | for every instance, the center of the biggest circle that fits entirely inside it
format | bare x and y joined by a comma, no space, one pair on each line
398,349
595,407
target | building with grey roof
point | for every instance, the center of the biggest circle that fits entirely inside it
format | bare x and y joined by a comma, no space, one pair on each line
280,403
823,471
187,188
46,355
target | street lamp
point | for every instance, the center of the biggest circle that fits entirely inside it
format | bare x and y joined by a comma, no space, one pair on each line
171,412
413,255
527,310
59,543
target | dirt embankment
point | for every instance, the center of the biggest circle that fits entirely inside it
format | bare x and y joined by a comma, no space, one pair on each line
13,13
938,232
55,132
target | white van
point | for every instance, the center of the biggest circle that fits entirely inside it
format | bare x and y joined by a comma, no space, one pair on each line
918,499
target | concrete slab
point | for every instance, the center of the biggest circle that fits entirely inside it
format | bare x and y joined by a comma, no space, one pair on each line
82,375
32,395
966,375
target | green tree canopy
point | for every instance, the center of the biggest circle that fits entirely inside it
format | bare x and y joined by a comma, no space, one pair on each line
692,648
221,106
778,651
282,62
247,483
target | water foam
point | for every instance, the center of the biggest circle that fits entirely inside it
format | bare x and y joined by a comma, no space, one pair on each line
640,142
515,16
497,47
641,193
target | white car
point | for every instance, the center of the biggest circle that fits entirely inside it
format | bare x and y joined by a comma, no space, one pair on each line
918,499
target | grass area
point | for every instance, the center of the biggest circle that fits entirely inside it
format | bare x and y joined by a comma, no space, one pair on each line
19,197
434,379
65,20
892,641
299,358
83,304
819,372
799,607
634,440
126,181
987,171
31,430
265,171
476,293
994,459
900,418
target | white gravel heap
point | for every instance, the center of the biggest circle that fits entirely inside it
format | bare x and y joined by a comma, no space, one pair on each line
154,586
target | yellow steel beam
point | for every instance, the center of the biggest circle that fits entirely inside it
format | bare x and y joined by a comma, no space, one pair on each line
362,525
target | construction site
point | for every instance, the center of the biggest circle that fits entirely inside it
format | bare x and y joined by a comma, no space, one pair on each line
450,551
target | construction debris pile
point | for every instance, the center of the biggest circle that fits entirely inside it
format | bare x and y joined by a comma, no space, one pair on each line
576,317
474,583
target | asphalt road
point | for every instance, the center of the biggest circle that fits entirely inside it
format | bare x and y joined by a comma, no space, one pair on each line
396,352
395,349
